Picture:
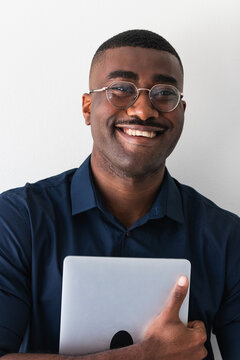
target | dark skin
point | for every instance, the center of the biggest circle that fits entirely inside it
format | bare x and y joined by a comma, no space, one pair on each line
167,338
128,170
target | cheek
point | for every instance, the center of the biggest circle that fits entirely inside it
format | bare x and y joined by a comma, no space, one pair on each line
101,120
101,110
177,118
178,123
103,117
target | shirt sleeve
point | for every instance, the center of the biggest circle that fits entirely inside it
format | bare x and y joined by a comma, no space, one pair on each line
15,278
227,322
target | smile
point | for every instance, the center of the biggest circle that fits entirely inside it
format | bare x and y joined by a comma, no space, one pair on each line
132,132
141,131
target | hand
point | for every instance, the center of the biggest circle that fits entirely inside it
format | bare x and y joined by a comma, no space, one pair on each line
168,338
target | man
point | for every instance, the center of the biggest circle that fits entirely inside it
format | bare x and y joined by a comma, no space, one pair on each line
122,202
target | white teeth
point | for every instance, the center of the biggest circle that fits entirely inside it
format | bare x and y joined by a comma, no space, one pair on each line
132,132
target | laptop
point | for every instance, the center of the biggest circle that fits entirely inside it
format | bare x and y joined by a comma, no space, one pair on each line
108,302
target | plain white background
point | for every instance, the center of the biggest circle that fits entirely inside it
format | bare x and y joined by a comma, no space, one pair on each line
45,51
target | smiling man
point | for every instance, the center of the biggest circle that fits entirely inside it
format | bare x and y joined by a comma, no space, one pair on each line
122,202
136,114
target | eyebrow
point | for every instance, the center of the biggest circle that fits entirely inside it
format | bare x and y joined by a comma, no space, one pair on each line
158,78
122,74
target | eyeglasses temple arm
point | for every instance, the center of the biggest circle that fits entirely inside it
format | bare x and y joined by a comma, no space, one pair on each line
97,90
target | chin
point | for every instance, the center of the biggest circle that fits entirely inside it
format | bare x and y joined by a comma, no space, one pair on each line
137,168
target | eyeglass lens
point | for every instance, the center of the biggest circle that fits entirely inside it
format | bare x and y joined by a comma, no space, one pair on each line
123,94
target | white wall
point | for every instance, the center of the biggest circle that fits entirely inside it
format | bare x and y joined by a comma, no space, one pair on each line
45,51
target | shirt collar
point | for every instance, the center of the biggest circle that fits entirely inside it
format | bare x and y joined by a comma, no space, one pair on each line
84,196
82,189
168,201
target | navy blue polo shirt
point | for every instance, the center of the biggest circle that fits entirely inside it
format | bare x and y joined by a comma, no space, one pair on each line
42,223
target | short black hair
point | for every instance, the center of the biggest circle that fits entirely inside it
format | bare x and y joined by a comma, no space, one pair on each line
137,38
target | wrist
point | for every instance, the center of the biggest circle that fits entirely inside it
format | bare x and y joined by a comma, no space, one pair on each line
150,349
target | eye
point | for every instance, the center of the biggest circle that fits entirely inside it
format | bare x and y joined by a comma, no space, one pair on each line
164,93
120,89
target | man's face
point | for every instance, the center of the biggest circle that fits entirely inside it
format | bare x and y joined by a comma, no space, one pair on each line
114,145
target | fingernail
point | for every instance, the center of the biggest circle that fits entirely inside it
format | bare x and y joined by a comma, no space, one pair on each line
182,281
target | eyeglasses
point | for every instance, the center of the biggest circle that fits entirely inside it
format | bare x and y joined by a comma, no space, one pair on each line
123,94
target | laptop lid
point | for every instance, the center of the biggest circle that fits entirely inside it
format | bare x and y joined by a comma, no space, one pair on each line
108,302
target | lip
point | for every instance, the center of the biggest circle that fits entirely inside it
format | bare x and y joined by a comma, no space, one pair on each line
138,140
158,128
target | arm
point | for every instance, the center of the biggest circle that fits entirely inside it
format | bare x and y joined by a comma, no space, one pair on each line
227,321
15,275
165,339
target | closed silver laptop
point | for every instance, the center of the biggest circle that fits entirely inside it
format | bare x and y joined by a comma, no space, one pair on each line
108,302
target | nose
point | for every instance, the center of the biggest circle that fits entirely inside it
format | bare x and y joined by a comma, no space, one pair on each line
142,107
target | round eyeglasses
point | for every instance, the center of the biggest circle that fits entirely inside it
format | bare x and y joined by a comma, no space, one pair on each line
123,94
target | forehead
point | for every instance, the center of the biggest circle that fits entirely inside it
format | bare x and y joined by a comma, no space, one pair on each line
147,64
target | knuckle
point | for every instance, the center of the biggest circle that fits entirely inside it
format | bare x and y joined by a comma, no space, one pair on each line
203,333
204,353
203,337
200,338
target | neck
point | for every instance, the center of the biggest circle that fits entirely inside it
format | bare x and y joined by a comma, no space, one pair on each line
127,198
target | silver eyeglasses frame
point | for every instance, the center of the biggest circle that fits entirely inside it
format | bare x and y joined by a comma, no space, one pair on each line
105,88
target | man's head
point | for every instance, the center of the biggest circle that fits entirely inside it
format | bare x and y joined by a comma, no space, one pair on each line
134,140
135,38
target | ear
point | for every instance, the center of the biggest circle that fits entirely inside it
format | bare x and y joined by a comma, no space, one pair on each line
86,107
184,105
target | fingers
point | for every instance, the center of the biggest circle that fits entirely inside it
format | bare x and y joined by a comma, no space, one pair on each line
197,324
177,297
199,328
199,337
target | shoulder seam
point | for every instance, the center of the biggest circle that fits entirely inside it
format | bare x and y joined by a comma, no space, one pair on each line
207,202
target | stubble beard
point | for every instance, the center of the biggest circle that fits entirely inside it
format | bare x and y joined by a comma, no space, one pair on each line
129,167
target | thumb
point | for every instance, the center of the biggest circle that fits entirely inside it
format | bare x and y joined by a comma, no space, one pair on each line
178,294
